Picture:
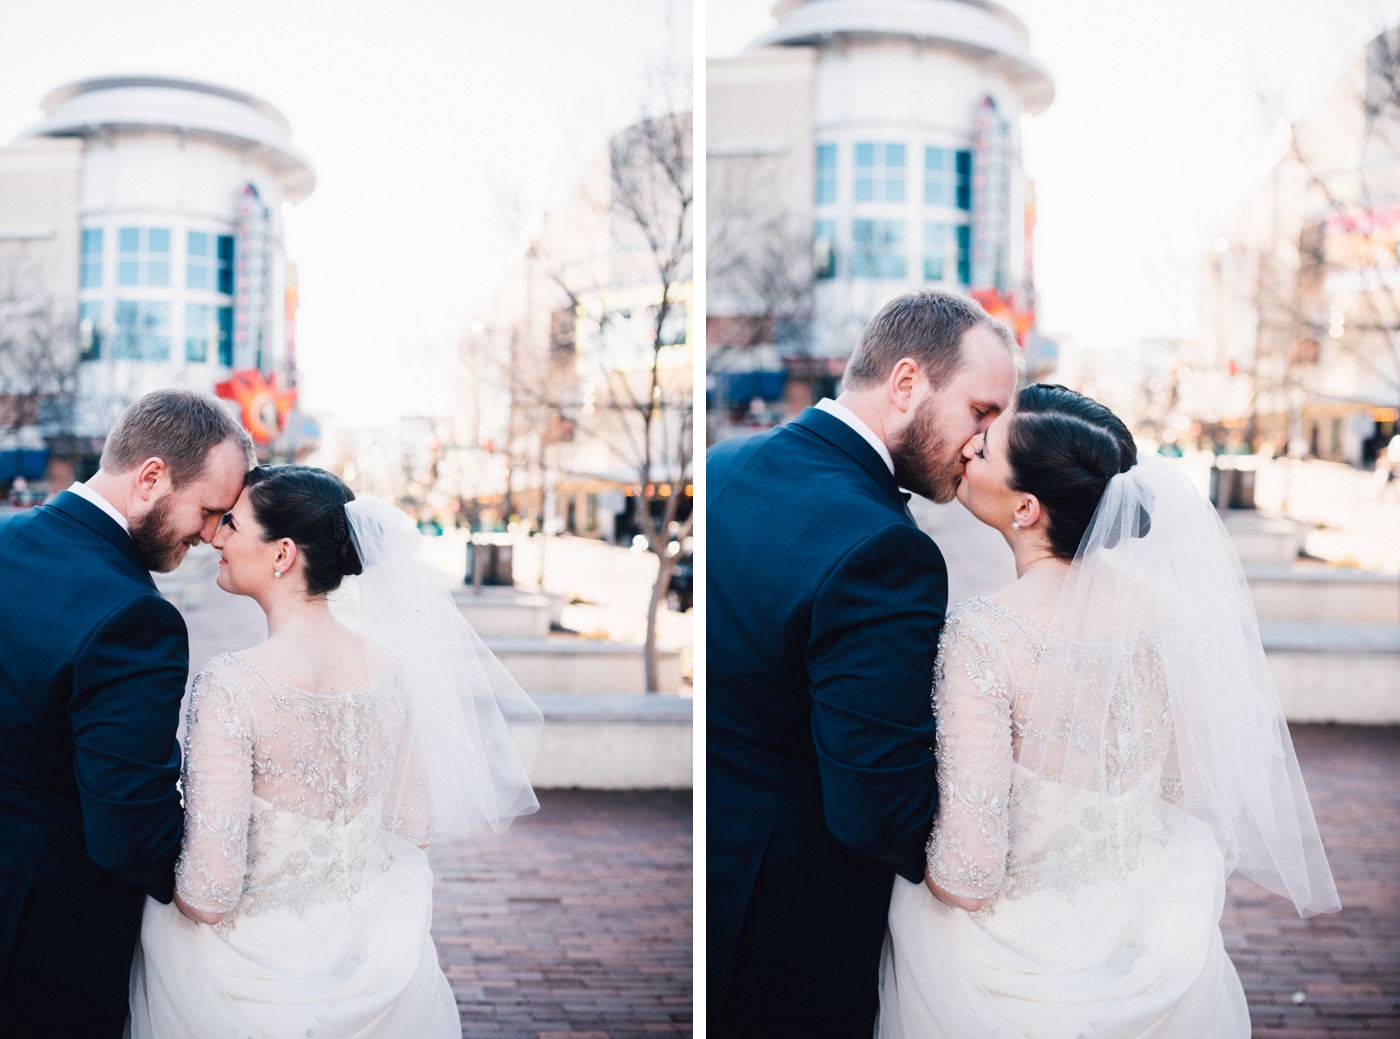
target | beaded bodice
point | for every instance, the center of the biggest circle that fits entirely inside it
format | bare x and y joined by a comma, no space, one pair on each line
1053,756
289,795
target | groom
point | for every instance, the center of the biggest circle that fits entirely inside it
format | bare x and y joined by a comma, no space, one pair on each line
92,668
824,607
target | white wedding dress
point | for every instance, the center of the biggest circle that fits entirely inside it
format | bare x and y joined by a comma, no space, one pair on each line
301,827
1103,919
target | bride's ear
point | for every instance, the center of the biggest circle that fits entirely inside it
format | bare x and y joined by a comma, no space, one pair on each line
1028,511
286,556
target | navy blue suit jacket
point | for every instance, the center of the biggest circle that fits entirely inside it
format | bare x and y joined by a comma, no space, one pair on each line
92,669
824,605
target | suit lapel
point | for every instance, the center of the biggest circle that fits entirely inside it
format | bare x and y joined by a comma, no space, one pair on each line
89,515
835,432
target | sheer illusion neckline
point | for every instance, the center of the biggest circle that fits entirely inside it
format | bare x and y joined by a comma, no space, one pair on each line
279,680
1007,613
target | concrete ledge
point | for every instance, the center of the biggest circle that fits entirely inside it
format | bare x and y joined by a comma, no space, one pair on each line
1264,539
1346,673
583,665
1328,595
504,612
615,742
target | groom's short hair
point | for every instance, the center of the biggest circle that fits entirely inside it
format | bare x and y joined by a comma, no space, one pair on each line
927,326
180,427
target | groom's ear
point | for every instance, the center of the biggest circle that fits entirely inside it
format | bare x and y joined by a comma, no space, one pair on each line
903,383
150,475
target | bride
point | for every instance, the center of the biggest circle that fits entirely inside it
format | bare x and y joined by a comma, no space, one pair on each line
1110,747
317,766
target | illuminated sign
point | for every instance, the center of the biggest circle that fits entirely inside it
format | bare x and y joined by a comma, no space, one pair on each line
991,203
250,271
264,406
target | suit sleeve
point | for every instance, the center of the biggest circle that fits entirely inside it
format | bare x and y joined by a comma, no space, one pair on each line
875,625
127,684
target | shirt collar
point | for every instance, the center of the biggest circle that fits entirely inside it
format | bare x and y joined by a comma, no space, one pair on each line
85,492
853,420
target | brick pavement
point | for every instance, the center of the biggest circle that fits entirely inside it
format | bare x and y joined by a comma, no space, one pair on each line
1346,965
576,922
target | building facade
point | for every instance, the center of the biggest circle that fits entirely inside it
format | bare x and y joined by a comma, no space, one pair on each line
575,401
856,152
167,234
1300,310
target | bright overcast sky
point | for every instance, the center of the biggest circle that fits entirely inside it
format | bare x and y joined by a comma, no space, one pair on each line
1164,118
420,118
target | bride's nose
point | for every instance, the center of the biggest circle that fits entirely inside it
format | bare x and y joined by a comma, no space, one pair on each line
970,448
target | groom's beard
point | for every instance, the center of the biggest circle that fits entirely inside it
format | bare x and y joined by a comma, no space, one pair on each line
924,462
160,548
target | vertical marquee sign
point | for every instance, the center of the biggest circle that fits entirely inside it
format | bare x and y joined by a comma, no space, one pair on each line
250,282
991,167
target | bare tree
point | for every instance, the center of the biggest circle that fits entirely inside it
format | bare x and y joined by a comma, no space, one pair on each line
645,410
761,263
38,345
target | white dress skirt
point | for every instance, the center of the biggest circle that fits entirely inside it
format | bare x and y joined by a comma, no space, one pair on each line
360,967
1139,955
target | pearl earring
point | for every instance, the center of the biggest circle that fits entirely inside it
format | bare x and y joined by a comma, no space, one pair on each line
1015,525
277,573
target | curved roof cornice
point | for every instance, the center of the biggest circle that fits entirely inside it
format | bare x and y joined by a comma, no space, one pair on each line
986,31
116,104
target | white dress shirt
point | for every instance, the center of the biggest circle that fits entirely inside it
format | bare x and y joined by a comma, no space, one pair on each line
853,420
82,490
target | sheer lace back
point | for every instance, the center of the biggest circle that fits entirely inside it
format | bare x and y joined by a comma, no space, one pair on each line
290,794
1053,755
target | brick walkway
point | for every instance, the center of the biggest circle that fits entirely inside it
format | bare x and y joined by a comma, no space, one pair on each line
1345,965
575,923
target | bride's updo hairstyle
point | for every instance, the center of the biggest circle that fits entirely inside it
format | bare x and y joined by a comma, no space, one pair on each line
1064,447
307,505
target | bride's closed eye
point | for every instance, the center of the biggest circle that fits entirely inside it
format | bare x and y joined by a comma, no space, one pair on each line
227,521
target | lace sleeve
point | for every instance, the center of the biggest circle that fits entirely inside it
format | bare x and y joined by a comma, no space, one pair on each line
972,702
218,782
409,811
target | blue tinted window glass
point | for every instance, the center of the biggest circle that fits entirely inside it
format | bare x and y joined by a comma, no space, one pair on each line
226,264
964,199
824,249
199,243
128,273
159,240
226,336
936,239
91,275
826,174
158,274
878,249
198,319
965,255
156,331
879,172
89,331
129,239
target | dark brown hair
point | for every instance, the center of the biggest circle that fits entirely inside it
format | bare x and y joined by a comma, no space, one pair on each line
179,427
1064,447
307,505
927,326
